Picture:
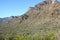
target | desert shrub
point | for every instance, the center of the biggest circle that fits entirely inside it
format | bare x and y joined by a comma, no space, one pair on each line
37,36
50,36
18,37
15,37
2,37
28,37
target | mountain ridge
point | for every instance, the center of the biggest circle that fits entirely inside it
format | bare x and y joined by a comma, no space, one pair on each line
42,18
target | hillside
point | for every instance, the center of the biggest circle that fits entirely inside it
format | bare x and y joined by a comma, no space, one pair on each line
43,18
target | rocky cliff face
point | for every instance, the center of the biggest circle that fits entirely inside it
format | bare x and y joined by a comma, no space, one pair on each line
40,6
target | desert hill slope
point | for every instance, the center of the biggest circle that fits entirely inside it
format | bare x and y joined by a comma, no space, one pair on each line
42,18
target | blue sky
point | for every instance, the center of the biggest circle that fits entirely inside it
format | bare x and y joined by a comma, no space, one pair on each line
15,7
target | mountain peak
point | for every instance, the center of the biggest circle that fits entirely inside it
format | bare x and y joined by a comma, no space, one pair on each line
51,1
37,18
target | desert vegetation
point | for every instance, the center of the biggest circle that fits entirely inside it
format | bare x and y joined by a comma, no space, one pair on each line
36,36
41,22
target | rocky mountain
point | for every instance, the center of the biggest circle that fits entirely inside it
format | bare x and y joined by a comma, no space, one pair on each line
5,19
0,19
42,18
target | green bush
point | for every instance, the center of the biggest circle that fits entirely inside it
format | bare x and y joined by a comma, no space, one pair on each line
50,36
36,36
16,37
2,37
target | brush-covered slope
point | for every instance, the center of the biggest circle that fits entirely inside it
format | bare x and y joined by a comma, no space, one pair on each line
41,18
